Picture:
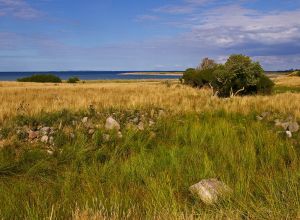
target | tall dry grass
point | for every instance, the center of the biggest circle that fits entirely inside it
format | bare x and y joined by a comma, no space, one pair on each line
31,98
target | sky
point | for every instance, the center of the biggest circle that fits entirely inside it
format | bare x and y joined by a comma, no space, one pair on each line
48,35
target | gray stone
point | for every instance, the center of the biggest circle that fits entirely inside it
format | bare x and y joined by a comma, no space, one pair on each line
32,134
210,191
84,120
293,127
45,130
285,125
289,134
112,124
135,120
259,118
45,139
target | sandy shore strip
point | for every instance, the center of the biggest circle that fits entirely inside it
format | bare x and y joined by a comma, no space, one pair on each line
154,73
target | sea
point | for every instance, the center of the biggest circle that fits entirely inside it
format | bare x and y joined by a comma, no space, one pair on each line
89,75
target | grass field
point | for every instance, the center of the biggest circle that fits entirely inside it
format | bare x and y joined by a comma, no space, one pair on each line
146,173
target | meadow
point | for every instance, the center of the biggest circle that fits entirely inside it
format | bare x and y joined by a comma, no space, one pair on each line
146,173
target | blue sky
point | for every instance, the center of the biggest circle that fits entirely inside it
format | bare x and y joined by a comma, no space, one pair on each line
37,35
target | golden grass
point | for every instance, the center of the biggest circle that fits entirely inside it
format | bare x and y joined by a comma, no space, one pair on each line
31,98
287,81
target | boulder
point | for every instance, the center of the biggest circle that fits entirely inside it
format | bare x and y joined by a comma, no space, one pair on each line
112,124
210,191
32,134
293,127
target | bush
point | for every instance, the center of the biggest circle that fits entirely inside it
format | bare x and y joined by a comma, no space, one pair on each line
238,76
73,80
43,78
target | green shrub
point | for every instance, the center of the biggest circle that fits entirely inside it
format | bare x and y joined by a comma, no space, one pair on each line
73,80
238,76
43,78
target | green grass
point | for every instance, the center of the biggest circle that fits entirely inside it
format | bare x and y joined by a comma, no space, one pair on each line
142,175
283,89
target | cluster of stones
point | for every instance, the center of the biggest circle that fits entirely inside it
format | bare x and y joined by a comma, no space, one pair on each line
289,125
42,134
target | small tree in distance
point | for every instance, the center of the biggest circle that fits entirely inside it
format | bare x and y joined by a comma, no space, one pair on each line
238,76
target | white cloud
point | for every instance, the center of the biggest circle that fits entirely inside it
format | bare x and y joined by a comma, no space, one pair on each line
18,8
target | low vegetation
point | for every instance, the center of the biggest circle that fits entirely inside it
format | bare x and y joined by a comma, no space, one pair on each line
73,80
238,76
171,137
42,78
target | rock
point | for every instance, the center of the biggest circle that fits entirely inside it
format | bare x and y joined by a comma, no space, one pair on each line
50,152
210,191
45,139
135,120
285,125
289,134
141,126
84,120
91,131
106,137
259,118
112,124
45,130
293,127
120,135
32,134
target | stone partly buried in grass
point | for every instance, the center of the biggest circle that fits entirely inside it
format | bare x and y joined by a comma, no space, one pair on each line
210,191
112,124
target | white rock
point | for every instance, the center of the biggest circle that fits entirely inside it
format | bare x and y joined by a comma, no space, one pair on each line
293,127
112,124
45,130
45,139
85,120
210,191
289,134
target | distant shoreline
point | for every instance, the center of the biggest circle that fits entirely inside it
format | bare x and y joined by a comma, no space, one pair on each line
152,73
